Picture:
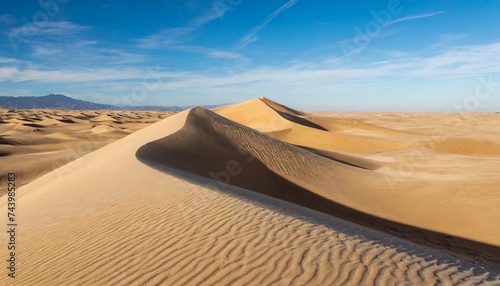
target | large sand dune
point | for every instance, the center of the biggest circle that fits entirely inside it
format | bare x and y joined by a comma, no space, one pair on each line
144,210
237,155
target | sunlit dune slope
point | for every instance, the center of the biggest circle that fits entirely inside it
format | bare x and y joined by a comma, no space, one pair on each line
296,128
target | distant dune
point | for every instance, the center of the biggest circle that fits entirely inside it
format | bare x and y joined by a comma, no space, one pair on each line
261,194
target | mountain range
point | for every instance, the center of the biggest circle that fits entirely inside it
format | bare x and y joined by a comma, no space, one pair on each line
60,101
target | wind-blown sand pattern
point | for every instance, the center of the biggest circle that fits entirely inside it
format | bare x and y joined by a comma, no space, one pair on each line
144,211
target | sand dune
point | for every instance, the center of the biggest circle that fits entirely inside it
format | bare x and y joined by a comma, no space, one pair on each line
102,128
235,154
298,129
139,211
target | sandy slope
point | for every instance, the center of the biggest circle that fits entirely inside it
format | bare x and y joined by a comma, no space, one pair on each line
120,216
312,132
437,202
28,136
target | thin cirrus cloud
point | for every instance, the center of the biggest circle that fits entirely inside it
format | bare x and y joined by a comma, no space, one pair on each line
251,36
178,35
61,28
452,63
39,51
166,37
426,15
8,60
15,74
385,33
210,52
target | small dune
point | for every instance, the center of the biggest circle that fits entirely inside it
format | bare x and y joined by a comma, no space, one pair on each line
468,147
103,117
61,136
102,128
48,122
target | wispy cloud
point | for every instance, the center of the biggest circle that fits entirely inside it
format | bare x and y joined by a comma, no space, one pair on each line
458,62
466,61
15,74
8,60
209,52
166,37
408,18
251,36
62,28
84,53
208,16
39,51
363,38
182,34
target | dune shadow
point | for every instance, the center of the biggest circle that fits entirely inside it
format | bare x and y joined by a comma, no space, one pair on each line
292,115
343,158
34,125
66,120
205,147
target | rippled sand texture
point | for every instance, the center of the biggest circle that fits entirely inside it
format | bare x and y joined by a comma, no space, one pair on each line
36,141
144,210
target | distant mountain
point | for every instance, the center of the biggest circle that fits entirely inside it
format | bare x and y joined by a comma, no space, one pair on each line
59,101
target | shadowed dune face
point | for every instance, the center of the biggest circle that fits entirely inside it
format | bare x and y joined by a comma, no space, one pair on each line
233,154
236,155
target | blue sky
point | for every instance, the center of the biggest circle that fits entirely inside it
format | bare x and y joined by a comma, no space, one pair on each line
313,55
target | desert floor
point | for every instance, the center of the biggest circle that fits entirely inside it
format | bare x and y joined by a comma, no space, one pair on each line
260,194
34,142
